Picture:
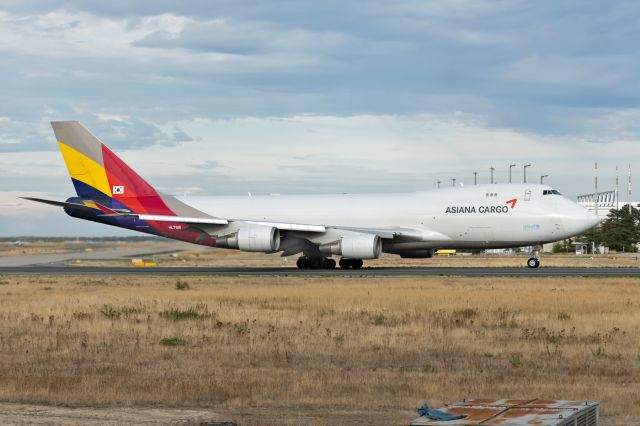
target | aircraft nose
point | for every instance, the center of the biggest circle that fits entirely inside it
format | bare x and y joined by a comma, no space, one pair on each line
580,220
591,220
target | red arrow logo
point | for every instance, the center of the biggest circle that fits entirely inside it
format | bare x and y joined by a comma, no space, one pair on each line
512,202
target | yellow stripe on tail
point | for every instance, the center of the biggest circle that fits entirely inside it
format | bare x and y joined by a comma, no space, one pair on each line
86,170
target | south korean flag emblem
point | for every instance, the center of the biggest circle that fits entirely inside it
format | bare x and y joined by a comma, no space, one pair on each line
118,190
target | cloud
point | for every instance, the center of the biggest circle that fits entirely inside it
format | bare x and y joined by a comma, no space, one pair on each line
113,117
119,131
582,71
245,38
181,136
208,165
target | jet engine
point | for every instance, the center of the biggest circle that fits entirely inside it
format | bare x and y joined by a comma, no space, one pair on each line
253,238
366,246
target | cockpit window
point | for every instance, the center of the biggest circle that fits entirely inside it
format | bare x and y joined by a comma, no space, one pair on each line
550,192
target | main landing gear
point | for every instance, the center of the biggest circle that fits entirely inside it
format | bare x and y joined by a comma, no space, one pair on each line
305,262
350,263
534,260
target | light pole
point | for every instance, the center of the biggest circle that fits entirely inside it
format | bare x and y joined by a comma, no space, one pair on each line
492,169
453,182
542,177
475,178
525,172
511,166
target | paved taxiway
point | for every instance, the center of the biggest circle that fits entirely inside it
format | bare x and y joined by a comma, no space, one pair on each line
387,272
112,253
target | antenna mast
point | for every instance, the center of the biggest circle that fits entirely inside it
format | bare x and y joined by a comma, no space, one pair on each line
596,182
617,204
629,189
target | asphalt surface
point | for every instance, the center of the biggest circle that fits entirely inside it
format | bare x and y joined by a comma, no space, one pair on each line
98,254
379,272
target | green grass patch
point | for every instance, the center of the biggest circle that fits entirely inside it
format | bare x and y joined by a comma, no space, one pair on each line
182,285
116,312
172,341
378,319
466,313
563,316
198,312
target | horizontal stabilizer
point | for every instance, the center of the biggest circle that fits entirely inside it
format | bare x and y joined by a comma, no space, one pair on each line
59,203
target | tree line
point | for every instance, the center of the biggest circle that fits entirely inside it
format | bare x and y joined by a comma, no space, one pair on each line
619,231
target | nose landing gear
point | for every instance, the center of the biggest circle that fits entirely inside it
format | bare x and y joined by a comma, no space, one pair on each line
534,260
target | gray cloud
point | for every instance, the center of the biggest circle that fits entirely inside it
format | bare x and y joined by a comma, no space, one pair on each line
208,165
168,62
23,136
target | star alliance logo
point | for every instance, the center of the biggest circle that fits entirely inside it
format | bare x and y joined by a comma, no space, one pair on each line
118,190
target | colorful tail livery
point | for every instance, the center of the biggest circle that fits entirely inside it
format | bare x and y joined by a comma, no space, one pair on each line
114,193
352,226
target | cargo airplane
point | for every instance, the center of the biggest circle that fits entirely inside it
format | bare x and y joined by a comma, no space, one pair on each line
352,226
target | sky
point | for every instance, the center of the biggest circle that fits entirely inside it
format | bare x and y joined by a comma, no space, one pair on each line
294,96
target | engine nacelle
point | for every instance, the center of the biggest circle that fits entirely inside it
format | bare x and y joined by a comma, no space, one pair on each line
367,246
253,238
259,238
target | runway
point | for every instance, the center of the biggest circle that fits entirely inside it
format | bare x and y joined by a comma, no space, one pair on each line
365,272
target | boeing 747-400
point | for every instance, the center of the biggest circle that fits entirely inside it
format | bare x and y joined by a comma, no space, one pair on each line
351,226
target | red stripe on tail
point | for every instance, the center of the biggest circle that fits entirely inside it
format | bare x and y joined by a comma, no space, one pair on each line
130,189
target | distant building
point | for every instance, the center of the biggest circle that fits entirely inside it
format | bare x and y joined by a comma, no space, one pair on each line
605,201
581,247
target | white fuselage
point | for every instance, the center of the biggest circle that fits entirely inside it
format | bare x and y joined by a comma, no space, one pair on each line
479,216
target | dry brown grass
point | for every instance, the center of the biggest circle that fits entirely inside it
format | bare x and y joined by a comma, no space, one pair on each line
287,342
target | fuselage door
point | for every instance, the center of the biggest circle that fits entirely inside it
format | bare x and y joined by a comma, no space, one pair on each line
527,195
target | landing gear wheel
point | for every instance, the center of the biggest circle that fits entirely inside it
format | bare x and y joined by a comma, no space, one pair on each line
533,262
316,263
351,263
328,263
302,262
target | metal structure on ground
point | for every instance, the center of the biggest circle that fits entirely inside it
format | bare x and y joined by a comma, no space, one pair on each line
517,412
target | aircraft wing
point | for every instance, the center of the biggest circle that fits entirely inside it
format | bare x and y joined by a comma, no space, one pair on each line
386,233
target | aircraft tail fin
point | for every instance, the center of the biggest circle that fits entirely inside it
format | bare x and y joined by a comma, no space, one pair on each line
96,172
100,175
110,192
